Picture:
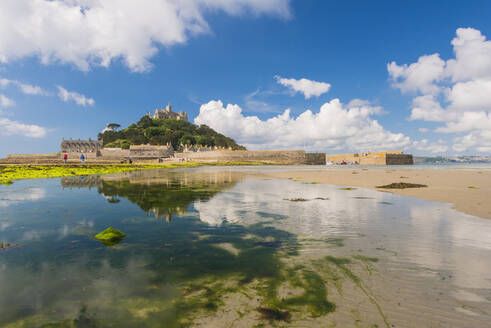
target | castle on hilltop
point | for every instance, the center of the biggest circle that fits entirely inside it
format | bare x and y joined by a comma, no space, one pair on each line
168,113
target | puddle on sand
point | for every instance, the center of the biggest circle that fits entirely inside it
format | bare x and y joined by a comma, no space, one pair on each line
217,247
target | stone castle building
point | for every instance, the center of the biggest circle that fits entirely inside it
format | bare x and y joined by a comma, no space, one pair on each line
168,113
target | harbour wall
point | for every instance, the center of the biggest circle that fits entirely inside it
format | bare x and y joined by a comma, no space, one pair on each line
315,159
114,153
287,157
375,158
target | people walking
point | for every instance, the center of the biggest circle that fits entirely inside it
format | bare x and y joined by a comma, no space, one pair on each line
82,158
65,158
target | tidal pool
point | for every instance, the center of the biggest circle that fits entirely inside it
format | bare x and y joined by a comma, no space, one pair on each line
224,247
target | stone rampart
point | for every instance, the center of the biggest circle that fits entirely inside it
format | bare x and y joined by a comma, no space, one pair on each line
400,159
151,151
287,157
375,158
315,159
115,153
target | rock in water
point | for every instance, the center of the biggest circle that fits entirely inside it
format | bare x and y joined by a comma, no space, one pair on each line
110,236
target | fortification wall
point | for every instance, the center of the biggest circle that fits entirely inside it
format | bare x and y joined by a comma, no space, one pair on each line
114,153
338,158
373,160
290,157
315,159
376,158
150,151
31,156
55,159
399,159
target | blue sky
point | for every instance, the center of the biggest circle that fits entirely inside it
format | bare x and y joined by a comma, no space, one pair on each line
69,67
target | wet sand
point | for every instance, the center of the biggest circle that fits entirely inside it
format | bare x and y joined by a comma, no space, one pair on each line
468,190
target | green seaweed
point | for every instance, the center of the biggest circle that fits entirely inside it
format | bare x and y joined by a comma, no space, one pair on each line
347,188
274,314
273,216
386,250
110,236
342,264
365,258
339,242
314,297
367,261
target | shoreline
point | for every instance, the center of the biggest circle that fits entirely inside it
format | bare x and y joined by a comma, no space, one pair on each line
468,190
13,172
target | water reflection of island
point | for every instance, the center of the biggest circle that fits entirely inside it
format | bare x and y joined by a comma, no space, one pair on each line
161,193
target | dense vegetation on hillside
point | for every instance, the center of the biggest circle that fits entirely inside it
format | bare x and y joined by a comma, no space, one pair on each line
161,131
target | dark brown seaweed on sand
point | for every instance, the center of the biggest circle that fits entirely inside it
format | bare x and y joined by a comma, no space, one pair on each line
402,185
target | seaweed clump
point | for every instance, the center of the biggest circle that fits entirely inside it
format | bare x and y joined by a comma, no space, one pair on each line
110,236
274,314
402,185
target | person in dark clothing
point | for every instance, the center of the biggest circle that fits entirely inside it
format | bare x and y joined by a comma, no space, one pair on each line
82,158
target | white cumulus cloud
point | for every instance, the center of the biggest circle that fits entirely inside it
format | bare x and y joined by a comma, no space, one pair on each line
9,127
426,146
25,88
419,76
336,126
455,92
78,98
6,102
478,139
307,87
96,32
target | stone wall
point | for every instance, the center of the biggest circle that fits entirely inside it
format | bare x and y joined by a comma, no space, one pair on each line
151,151
338,158
115,153
287,157
76,155
315,159
399,159
375,158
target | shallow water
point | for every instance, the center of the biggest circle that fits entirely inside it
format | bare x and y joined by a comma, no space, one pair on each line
223,247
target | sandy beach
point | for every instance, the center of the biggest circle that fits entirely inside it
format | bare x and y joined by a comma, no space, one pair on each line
468,190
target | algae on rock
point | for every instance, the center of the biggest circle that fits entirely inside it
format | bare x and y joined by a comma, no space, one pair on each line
110,236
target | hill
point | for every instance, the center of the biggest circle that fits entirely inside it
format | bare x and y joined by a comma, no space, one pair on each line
161,131
453,160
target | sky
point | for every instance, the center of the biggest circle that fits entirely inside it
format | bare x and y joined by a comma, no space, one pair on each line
320,75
